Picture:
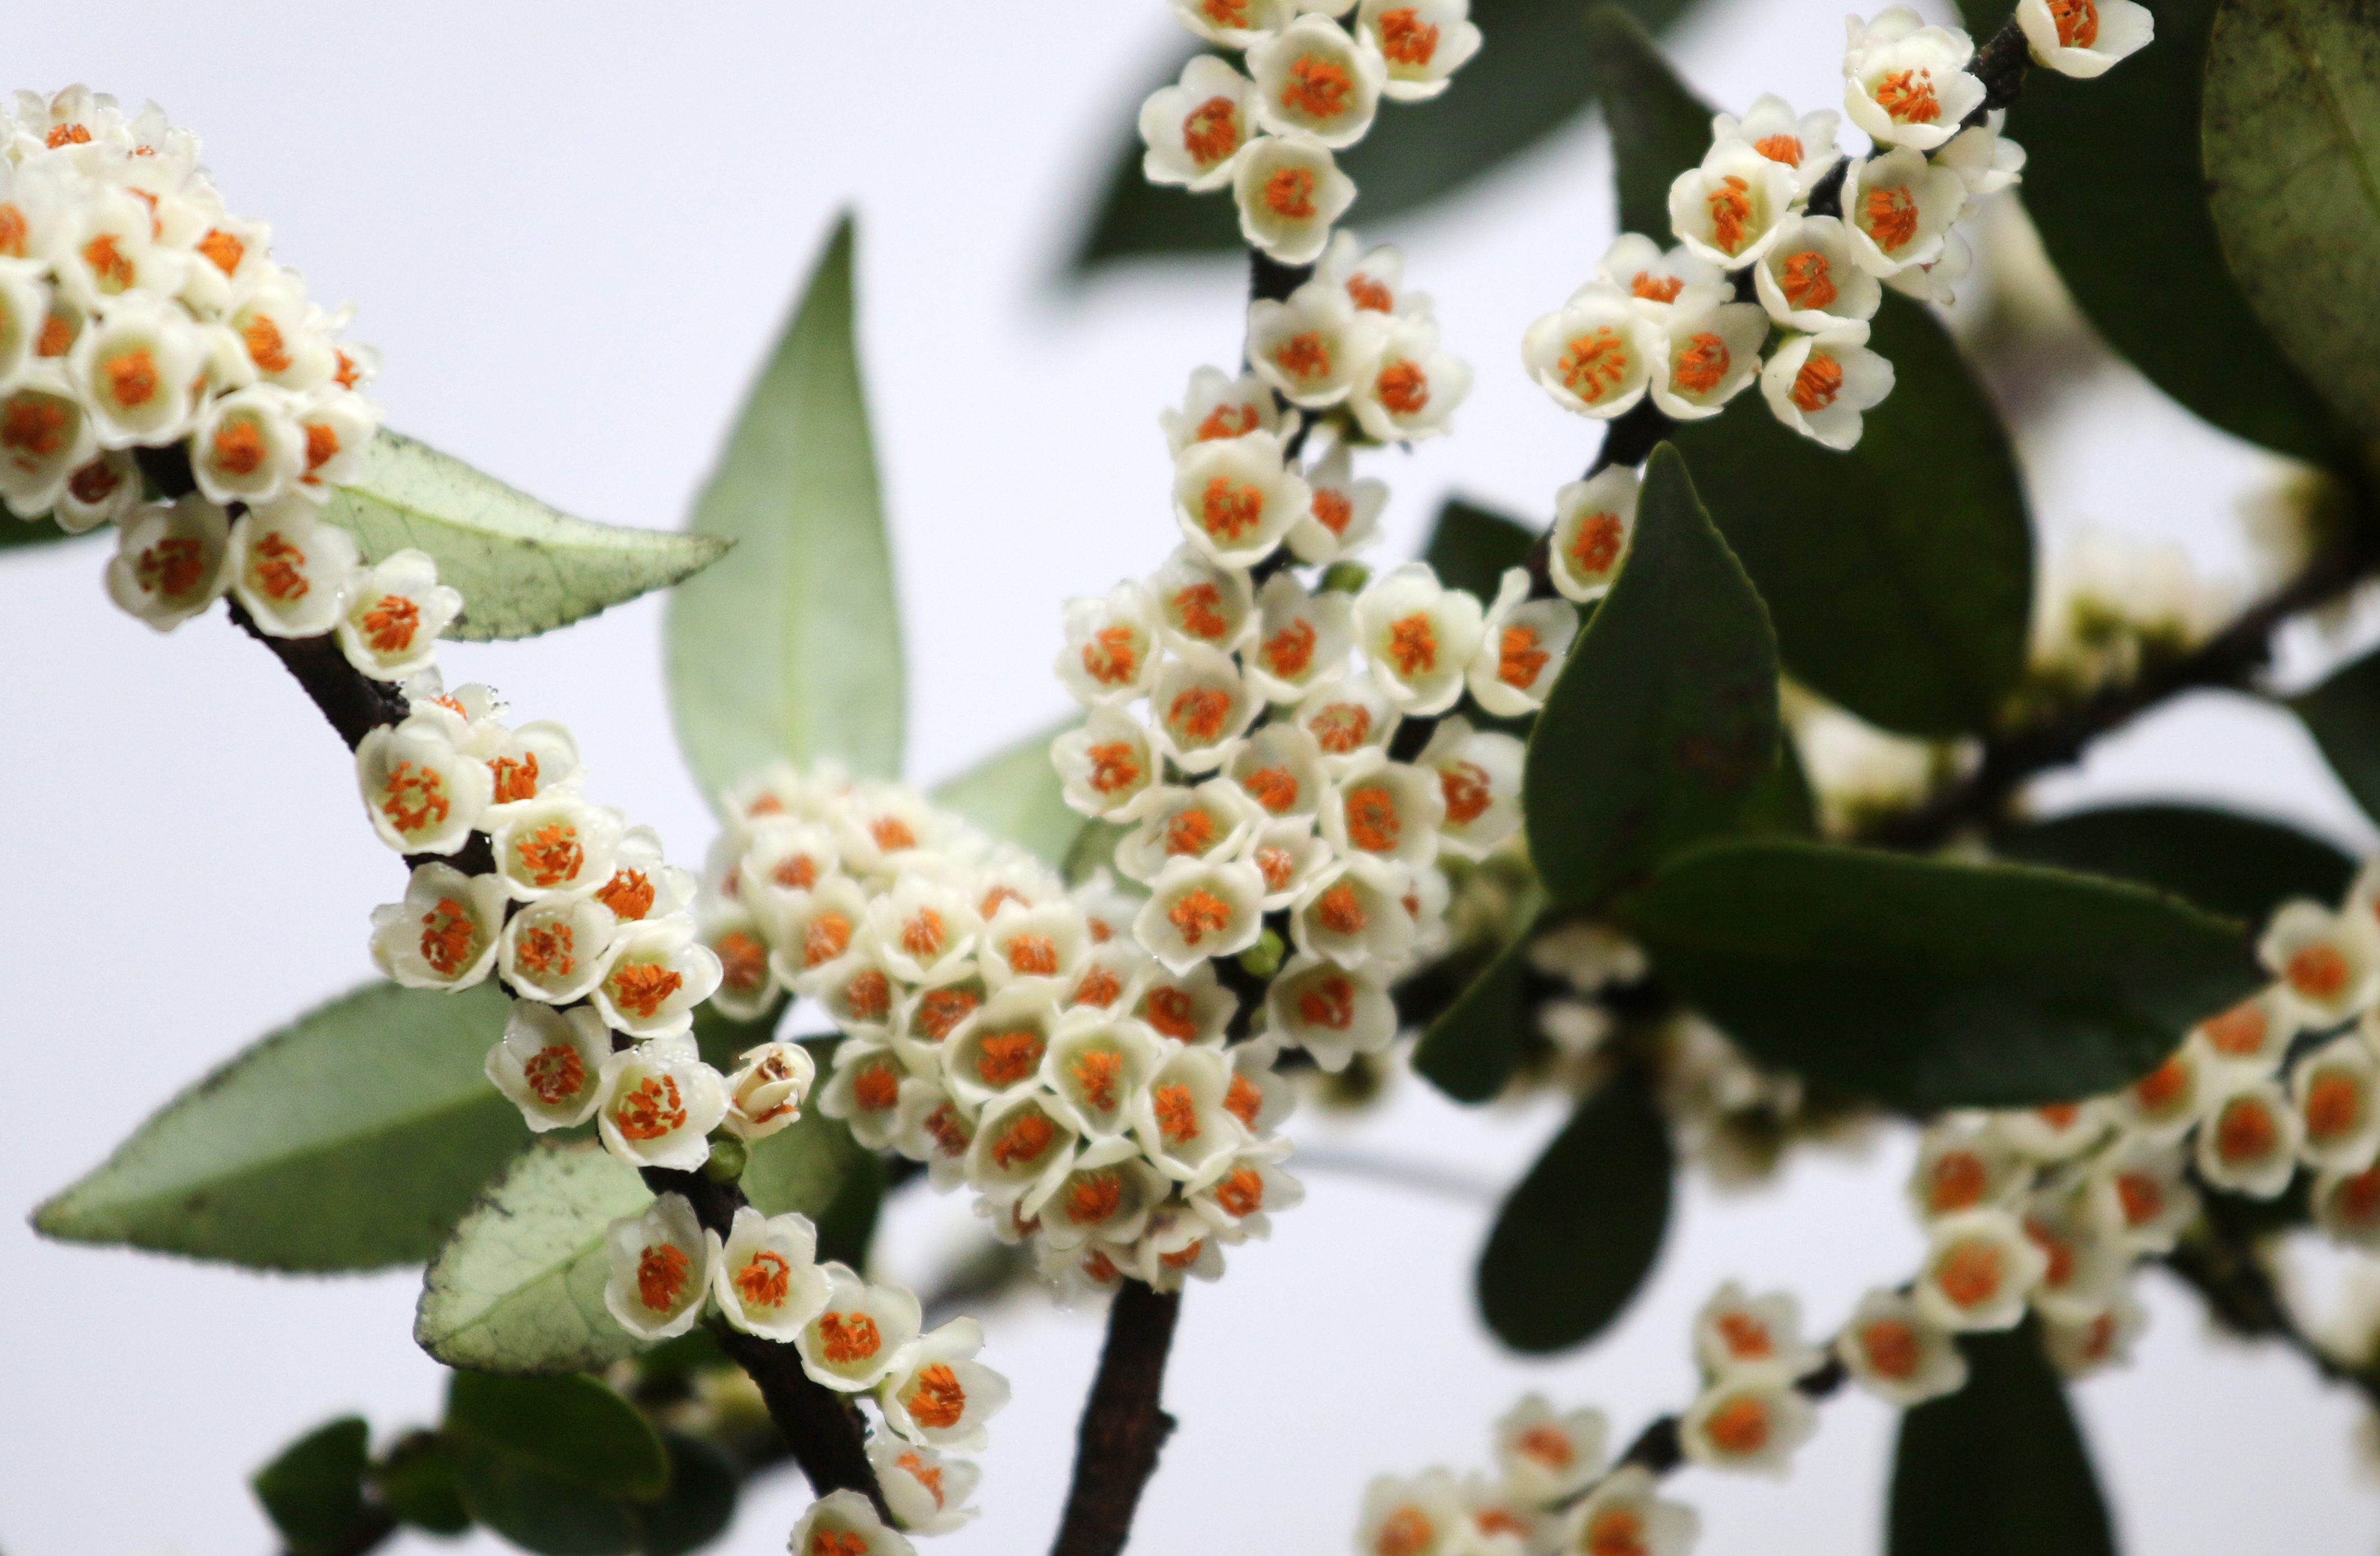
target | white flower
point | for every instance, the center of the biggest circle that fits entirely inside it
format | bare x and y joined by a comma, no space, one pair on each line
2336,1089
1280,769
550,1063
246,446
2253,1033
1898,1354
557,950
855,993
1259,1097
1374,280
1312,346
24,309
1332,1011
1418,1517
1522,646
1021,943
2328,963
659,1104
278,326
2249,1139
922,929
291,571
2082,1344
424,795
659,972
1729,209
1419,636
1897,208
1806,144
998,1050
766,1090
1355,913
1596,355
858,1336
844,1523
1107,1195
931,1126
1344,514
1202,707
2087,1261
1237,1200
1192,1007
2347,1207
1547,1457
1961,1165
134,369
2139,1189
1735,1333
1301,637
1111,646
1985,160
1818,384
1980,1269
1182,1120
1021,1142
45,436
1311,76
1655,280
1195,129
1214,820
1105,764
1096,1065
1216,406
172,561
1906,83
1409,387
1290,192
2083,37
1810,280
643,888
1347,718
1235,24
443,935
1479,776
396,610
766,1276
661,1264
1936,282
1587,957
556,845
1593,519
1235,499
1625,1517
106,256
1198,910
1750,1419
2055,1132
927,1492
1389,809
106,490
1202,605
539,759
1709,355
1178,1245
865,1091
1423,42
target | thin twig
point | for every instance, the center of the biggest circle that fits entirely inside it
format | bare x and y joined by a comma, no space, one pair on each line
1124,1424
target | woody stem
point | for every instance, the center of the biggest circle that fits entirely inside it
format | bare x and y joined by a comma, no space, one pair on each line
1123,1424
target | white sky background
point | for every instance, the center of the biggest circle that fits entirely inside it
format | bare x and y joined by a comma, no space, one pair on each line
574,232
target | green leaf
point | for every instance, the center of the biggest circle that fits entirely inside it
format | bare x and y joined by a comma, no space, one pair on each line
523,568
1532,76
1926,984
1659,126
2144,117
519,1287
415,1481
2291,124
1470,546
1015,794
572,1428
791,650
1469,1050
543,1513
1780,805
314,1491
2237,866
350,1139
1666,715
2343,716
1998,1468
18,534
1576,1238
700,1501
1899,575
814,1166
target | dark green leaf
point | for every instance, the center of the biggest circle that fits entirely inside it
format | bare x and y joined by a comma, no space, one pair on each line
1666,715
2291,124
814,1166
17,534
2343,714
1998,1468
350,1139
1659,126
699,1505
540,1512
1531,77
572,1428
1471,546
416,1482
1015,794
1926,984
314,1491
2238,866
1899,575
1780,805
2144,117
792,649
1576,1238
523,568
1471,1049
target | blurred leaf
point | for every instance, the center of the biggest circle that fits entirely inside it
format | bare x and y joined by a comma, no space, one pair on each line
1899,575
1532,76
2292,123
573,1428
2343,716
1780,805
1576,1238
1094,850
1666,715
1472,1048
814,1166
523,568
519,1287
350,1139
2144,117
791,650
2238,866
1659,126
543,1512
314,1491
415,1481
1926,984
18,534
1998,1468
697,1507
1471,546
1015,794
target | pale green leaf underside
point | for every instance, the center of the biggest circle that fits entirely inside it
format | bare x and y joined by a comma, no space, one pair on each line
523,568
520,1289
791,649
350,1139
1015,794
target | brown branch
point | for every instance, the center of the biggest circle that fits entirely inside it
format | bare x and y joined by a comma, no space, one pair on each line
1123,1424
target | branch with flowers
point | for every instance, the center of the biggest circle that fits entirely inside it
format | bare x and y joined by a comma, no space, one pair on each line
1554,801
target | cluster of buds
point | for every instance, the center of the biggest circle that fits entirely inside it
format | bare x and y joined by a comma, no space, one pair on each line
1011,1033
137,314
854,1336
1311,89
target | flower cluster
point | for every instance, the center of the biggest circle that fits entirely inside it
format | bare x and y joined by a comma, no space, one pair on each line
1010,1033
1311,89
932,1395
138,314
